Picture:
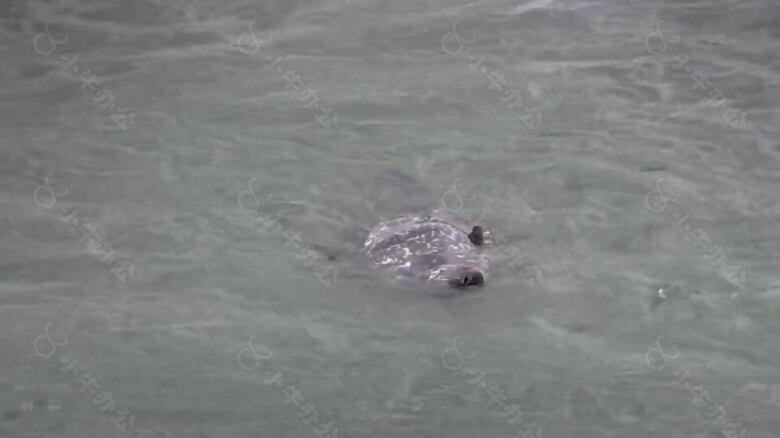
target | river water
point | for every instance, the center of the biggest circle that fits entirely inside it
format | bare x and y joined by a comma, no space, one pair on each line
185,185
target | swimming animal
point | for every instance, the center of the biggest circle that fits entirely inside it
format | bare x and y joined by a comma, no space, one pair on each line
430,248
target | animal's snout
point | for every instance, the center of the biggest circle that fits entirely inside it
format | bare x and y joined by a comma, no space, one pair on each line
468,277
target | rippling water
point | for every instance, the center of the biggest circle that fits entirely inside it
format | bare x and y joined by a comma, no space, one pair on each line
182,180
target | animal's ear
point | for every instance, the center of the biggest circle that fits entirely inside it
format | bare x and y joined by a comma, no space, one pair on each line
476,236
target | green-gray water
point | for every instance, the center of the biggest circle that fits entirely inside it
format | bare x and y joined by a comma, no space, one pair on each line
194,102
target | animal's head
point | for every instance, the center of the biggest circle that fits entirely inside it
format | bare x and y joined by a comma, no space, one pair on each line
459,276
465,277
469,268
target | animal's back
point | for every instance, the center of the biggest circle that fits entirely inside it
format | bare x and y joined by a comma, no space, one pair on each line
426,247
